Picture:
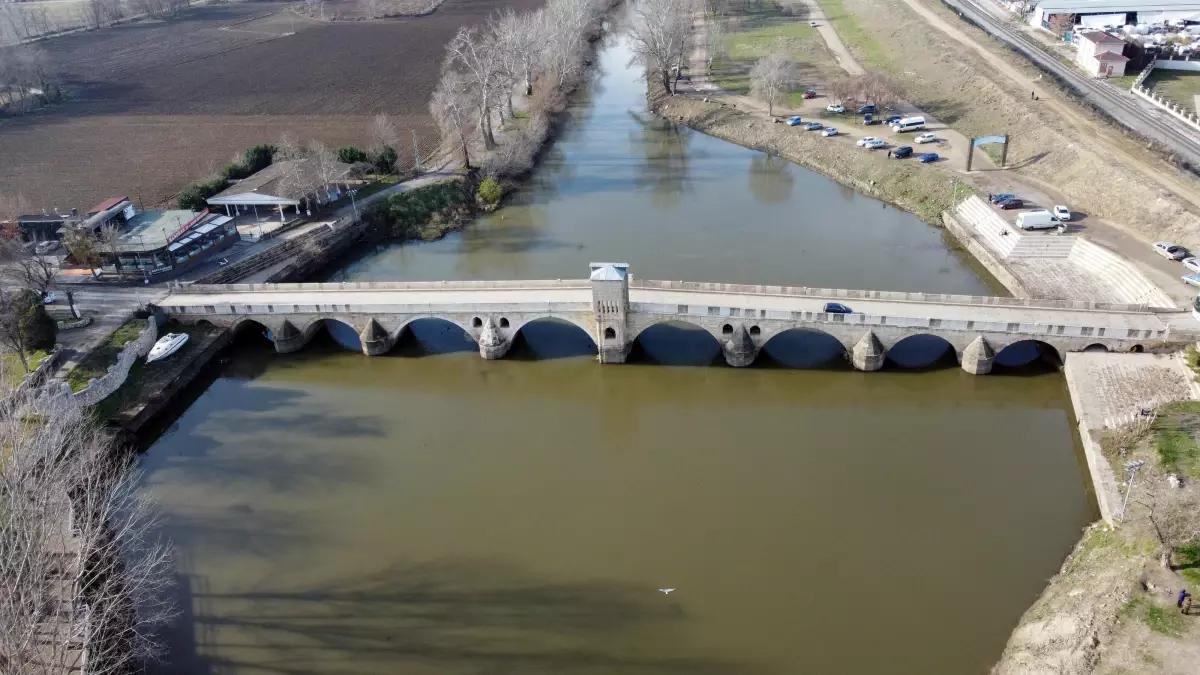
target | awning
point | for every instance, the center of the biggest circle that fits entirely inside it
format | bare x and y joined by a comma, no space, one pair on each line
252,199
205,229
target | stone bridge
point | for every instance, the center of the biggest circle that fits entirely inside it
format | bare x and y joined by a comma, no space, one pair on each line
614,308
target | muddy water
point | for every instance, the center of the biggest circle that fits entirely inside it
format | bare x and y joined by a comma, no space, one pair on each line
431,513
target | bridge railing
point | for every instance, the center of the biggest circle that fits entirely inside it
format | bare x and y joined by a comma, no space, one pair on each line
896,296
529,284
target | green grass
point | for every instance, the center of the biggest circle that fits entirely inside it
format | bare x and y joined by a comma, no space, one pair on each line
14,372
1123,82
1175,438
1179,86
864,47
1165,620
104,355
1187,562
142,374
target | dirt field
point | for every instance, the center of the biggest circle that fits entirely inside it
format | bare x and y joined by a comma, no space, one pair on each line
157,105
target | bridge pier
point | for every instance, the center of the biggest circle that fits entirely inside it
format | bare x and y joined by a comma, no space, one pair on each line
492,343
375,339
739,349
978,357
868,354
289,339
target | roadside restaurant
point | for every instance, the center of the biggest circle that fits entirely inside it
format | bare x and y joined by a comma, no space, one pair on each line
156,243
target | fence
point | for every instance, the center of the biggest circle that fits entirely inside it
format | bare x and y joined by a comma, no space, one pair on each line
1179,112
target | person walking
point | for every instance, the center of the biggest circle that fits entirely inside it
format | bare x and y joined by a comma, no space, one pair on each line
1186,608
1182,594
1032,95
889,154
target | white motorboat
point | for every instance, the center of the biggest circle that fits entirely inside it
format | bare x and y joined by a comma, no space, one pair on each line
166,346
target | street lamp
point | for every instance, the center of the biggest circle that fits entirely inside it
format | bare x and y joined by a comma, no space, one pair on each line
1131,469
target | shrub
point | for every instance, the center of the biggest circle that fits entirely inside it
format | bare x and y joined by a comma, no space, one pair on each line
38,329
258,158
490,191
384,160
405,215
193,196
350,155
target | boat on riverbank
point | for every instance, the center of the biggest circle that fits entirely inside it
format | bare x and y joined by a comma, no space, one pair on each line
166,346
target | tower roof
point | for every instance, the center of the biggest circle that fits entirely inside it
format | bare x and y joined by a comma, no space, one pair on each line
609,271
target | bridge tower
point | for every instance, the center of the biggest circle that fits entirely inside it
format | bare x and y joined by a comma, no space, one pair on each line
610,307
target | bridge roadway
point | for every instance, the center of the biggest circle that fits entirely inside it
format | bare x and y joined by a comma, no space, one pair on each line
613,308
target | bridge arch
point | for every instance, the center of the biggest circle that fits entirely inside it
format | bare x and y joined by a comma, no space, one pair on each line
922,351
553,337
677,342
245,326
804,347
465,325
1027,352
345,334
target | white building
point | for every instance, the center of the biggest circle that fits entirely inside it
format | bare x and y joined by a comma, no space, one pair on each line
1100,55
1101,13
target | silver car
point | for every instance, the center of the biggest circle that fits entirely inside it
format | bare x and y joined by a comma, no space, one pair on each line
1170,251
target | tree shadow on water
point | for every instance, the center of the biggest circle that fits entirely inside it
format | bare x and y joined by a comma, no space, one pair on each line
454,616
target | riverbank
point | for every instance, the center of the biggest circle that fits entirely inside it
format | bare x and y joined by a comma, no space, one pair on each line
916,188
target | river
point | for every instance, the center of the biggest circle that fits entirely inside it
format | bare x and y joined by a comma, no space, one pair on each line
432,513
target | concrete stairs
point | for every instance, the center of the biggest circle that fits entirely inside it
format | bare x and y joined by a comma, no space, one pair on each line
1043,245
1005,240
1124,279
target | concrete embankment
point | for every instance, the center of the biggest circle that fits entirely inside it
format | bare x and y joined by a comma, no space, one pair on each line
919,189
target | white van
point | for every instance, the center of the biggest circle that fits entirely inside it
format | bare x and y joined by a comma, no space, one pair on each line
909,124
1037,219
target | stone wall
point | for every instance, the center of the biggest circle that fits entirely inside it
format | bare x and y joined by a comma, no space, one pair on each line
38,375
100,388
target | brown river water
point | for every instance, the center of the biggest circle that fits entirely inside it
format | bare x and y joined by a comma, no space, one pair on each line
431,513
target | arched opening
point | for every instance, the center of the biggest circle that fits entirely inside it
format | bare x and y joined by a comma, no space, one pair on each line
922,352
803,348
1027,356
423,337
250,331
552,338
205,324
1137,349
339,333
610,334
755,330
726,330
676,343
477,323
503,322
1095,348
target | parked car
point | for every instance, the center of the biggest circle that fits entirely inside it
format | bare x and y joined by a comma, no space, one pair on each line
1037,219
1012,203
862,142
869,120
868,108
810,93
1064,214
925,138
876,144
1002,197
812,126
1192,280
794,121
829,131
835,108
902,152
50,298
837,308
928,157
812,24
891,119
1191,263
44,247
1170,251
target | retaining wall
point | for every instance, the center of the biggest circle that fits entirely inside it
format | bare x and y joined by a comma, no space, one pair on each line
100,388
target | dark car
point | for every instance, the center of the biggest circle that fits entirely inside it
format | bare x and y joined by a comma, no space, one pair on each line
902,152
809,93
996,199
869,120
868,108
892,119
837,308
928,157
1013,203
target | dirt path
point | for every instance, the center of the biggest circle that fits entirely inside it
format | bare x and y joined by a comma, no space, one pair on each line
832,39
1089,130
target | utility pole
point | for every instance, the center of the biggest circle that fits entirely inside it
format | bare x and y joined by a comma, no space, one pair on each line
1131,468
416,154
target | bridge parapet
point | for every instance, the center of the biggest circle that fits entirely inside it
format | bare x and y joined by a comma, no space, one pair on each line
526,284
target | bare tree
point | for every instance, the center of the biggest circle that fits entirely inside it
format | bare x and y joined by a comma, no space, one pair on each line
716,39
474,53
325,168
383,134
24,267
521,38
83,246
452,108
771,77
83,575
660,36
880,89
842,88
1061,23
567,25
12,333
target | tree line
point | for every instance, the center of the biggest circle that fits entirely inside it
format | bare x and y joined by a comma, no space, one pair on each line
543,53
27,79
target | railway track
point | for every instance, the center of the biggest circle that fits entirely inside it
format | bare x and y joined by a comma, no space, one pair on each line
1175,139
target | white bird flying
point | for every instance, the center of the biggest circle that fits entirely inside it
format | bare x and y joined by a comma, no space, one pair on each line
665,591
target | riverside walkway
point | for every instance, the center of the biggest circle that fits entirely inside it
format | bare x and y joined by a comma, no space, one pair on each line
614,308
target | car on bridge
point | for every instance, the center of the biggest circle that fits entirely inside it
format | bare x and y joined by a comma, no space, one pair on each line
836,308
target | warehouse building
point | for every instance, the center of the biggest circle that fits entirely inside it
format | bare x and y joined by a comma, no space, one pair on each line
1099,14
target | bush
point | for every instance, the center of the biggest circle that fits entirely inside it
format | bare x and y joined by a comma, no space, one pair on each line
385,160
405,215
490,191
192,197
258,158
350,155
38,328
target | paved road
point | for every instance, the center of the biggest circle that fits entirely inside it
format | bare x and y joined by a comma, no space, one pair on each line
1124,109
512,299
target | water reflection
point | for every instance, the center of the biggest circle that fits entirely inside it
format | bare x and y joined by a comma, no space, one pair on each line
663,149
771,179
